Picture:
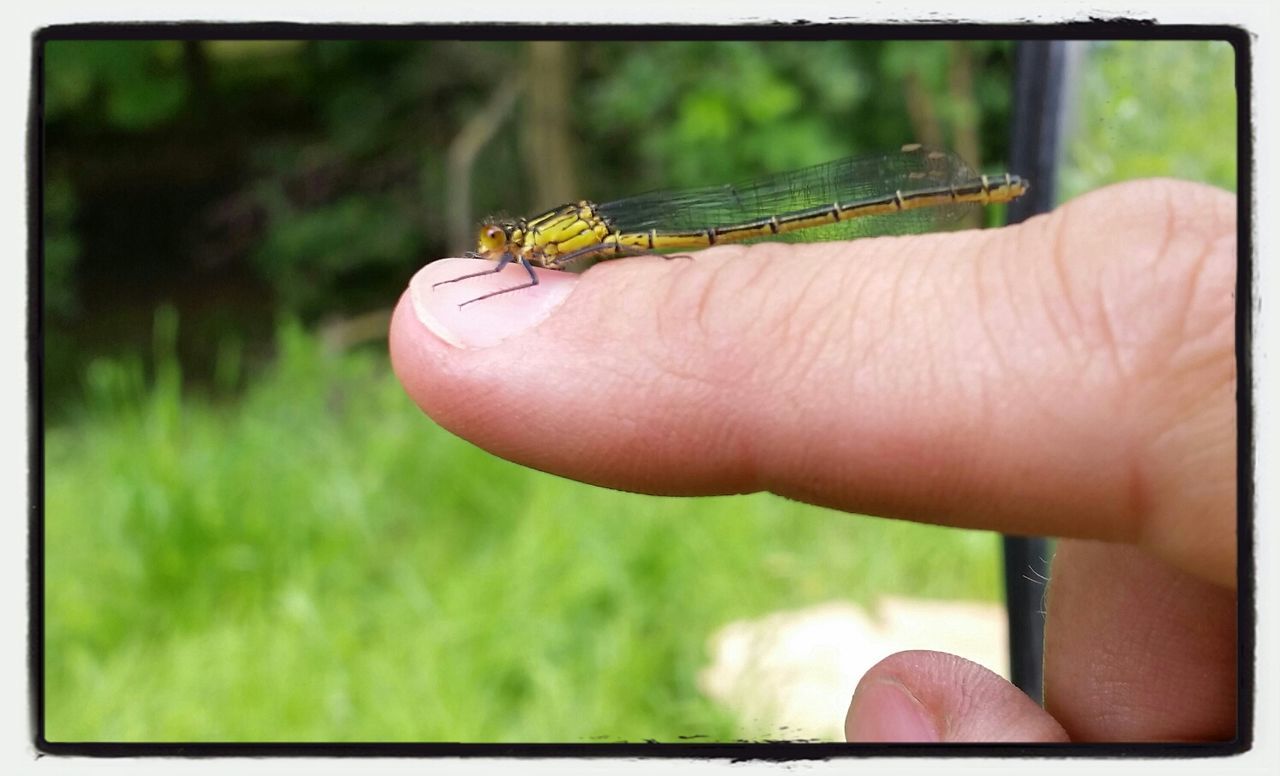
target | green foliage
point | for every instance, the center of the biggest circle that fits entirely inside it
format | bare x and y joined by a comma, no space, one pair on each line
1153,108
140,83
61,247
349,197
310,249
716,111
317,561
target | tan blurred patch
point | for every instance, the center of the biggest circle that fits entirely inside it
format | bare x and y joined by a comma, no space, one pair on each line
790,675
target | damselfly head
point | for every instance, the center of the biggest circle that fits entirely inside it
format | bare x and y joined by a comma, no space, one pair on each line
491,239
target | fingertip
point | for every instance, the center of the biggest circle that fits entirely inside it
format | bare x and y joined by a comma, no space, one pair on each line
464,366
490,306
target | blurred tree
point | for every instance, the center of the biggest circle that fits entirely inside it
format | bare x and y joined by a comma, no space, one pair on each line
474,135
547,145
963,103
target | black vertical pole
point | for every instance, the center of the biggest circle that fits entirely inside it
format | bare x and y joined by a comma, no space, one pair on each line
1040,69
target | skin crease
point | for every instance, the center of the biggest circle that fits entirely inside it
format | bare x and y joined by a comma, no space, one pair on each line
1072,376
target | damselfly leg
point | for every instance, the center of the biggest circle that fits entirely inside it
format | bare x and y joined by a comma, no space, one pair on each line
506,259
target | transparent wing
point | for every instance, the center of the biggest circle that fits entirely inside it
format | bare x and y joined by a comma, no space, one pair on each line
854,179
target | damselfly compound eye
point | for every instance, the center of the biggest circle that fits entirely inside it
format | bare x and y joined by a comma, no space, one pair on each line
491,239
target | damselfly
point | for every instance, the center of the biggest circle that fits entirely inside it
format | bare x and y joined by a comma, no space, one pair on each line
914,189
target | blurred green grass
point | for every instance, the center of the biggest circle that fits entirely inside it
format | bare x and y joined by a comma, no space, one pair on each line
318,561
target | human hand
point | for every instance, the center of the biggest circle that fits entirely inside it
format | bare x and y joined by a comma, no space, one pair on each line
1071,376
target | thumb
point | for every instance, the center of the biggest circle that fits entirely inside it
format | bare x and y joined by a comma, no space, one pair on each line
921,697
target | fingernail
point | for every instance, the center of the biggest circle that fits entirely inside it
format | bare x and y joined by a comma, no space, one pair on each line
449,314
884,711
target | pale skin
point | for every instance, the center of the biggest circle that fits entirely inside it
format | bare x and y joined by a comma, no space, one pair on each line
1073,376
